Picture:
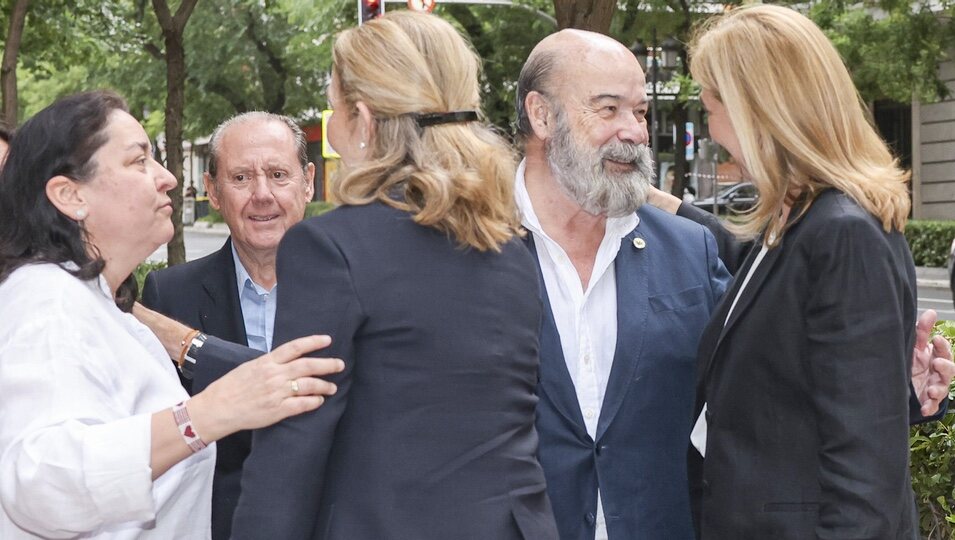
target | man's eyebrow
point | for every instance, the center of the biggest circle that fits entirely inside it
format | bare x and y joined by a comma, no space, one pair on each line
601,97
140,145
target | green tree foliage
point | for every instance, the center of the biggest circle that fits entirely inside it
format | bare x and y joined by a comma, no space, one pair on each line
503,37
891,48
240,55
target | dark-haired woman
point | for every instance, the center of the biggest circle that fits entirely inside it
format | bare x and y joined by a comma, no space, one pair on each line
97,438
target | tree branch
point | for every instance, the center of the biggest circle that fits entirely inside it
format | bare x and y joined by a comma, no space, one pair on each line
275,62
183,13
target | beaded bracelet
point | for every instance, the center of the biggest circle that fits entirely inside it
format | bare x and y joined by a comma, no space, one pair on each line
188,433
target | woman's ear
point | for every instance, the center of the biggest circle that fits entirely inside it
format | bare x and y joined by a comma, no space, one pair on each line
64,193
366,124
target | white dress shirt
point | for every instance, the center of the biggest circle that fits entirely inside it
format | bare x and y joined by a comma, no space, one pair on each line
586,318
79,382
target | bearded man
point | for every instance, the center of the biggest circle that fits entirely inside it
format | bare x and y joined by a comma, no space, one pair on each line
629,287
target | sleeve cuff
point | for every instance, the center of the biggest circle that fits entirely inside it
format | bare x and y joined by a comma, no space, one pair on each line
116,459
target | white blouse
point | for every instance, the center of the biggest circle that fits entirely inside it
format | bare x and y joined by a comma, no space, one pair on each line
79,382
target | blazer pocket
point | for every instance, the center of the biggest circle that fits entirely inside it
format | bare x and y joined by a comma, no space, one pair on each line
791,507
677,301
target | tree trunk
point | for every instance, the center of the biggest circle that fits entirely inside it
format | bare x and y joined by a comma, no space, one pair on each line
681,167
8,71
173,28
593,15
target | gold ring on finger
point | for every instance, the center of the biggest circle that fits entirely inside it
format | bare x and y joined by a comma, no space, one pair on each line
293,383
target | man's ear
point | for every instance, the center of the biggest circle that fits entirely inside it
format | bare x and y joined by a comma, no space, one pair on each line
539,115
212,190
65,195
309,181
366,124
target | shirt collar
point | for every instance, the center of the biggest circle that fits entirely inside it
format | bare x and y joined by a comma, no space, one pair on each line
242,277
616,227
98,283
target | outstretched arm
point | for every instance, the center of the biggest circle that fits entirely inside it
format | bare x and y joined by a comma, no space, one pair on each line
731,251
932,371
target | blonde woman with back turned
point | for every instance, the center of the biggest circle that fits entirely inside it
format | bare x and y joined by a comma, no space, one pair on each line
430,299
802,393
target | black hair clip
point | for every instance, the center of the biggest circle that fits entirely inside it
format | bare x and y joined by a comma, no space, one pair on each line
432,119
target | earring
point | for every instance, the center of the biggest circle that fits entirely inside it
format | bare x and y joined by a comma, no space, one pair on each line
81,213
361,145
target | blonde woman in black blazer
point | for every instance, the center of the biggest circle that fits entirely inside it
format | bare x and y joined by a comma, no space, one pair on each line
804,368
430,298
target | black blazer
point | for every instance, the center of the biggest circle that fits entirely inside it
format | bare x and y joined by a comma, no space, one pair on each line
807,386
203,294
431,433
733,254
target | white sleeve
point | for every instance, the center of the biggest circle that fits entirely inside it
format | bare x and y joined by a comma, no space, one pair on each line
72,460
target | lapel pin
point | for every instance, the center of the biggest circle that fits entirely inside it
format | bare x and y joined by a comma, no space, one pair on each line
639,243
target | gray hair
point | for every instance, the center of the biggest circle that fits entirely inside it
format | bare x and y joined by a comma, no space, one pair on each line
535,77
215,142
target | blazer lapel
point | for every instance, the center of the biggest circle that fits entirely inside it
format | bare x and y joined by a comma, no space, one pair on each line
717,326
633,307
755,282
220,310
554,378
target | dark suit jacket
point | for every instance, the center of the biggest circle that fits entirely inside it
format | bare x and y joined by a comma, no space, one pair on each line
733,253
807,386
431,433
203,294
665,293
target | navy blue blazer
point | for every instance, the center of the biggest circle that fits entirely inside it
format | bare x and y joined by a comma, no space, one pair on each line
665,293
203,294
431,434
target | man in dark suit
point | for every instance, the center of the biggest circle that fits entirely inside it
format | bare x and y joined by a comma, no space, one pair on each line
627,291
260,179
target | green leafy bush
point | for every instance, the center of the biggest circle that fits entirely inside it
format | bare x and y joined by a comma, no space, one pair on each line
318,208
143,270
212,217
315,208
933,464
930,241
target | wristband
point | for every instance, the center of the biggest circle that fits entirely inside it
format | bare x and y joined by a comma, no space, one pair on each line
184,344
189,435
190,353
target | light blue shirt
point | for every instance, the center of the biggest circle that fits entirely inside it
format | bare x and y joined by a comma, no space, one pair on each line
258,307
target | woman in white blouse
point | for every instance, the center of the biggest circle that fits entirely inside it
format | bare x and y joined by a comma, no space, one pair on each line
97,437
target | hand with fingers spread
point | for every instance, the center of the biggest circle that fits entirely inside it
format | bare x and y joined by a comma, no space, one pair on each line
266,390
932,366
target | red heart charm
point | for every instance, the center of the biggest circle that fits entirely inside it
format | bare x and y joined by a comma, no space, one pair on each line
189,432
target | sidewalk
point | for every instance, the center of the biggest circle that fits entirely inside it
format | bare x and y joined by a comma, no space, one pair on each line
204,227
935,278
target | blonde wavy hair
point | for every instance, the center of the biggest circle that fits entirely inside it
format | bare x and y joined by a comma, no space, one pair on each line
456,177
801,124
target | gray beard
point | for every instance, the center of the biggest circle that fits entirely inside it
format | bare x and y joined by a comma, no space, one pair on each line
580,173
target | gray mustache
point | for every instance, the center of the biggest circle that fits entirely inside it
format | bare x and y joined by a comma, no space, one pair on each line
624,152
